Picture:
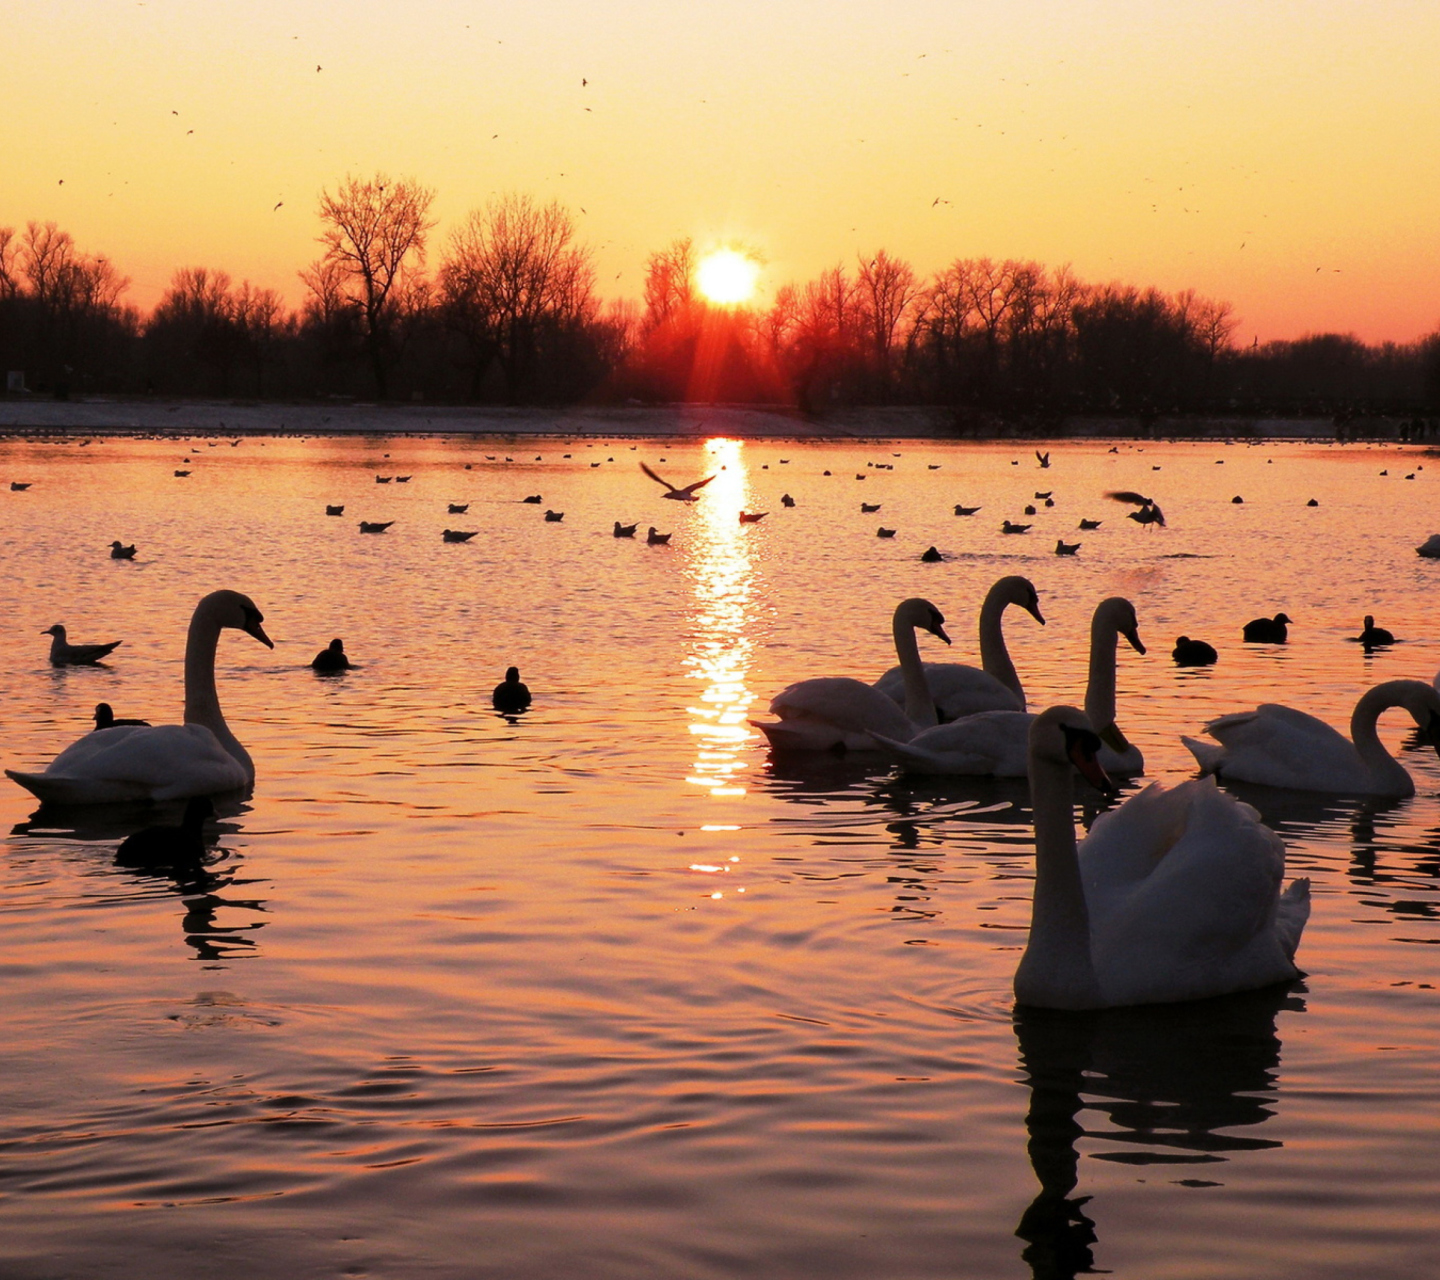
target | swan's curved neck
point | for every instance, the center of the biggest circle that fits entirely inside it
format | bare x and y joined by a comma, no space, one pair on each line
994,656
919,705
1100,690
202,703
1378,762
1057,969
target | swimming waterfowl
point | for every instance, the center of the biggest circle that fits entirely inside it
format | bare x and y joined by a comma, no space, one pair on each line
182,474
1371,635
335,510
965,511
1011,527
1030,509
402,479
536,499
1063,548
931,555
105,717
169,846
64,654
869,508
1090,524
1430,548
458,535
510,695
457,508
1174,895
119,551
1267,630
19,486
1193,653
786,500
883,532
163,762
383,479
553,517
625,530
752,517
375,526
1277,746
654,539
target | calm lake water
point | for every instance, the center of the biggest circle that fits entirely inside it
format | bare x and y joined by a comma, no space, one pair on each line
608,993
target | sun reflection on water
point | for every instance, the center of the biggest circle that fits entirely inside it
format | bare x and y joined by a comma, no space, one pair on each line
723,579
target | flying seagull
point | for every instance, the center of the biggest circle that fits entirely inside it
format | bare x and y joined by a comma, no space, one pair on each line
687,494
1149,512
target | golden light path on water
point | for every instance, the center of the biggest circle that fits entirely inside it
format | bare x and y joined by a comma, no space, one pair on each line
723,579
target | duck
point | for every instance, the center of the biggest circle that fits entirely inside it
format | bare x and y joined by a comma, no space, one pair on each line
457,508
883,532
402,479
163,762
1277,746
869,508
1029,508
655,539
64,654
510,696
1063,548
535,499
105,717
1011,527
786,500
19,486
331,659
1174,895
182,474
960,689
1430,548
1090,524
457,535
996,743
625,530
334,509
169,846
965,511
1267,630
931,555
837,713
553,517
119,551
383,479
375,526
1193,653
1371,635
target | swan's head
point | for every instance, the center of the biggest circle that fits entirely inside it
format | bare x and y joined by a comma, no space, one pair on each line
1423,703
1064,736
1021,591
231,609
1119,613
922,615
57,631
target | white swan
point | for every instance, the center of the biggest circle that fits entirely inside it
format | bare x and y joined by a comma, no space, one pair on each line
961,690
1175,895
997,743
1277,746
163,762
836,712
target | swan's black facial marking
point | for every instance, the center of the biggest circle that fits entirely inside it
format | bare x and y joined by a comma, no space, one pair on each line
1082,746
1032,606
936,626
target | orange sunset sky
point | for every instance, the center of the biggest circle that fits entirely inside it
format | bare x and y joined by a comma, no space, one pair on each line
1233,148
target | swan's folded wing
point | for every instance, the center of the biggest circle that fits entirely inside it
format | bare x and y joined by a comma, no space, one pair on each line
160,761
849,705
991,744
1126,844
1277,746
957,689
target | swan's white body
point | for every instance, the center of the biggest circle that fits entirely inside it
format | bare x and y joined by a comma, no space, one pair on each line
1175,895
835,712
163,762
1277,746
997,743
961,690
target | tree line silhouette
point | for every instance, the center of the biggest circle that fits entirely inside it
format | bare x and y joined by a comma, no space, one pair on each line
510,314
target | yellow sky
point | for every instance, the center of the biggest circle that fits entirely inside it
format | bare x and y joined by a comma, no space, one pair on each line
1233,148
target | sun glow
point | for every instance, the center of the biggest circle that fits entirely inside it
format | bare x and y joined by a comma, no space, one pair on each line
727,276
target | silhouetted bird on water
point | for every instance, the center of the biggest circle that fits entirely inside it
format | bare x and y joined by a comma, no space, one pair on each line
105,717
786,500
931,555
534,499
331,510
1149,512
625,530
1267,630
1011,527
553,517
1063,548
752,517
329,661
458,508
1090,524
655,539
510,695
965,511
882,532
119,551
169,846
1373,635
375,526
64,654
1193,653
868,508
458,535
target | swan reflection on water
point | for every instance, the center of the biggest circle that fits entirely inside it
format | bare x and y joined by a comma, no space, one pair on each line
1171,1080
200,884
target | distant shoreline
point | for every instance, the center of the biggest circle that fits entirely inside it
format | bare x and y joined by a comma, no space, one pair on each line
32,416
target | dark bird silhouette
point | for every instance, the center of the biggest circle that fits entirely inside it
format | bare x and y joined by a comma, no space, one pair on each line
383,479
402,479
1063,548
553,517
883,532
1373,635
1193,653
1090,524
118,551
332,510
182,474
1048,493
278,204
1312,503
686,494
931,555
458,508
375,526
105,717
64,654
1010,527
869,508
510,695
17,486
654,539
786,500
534,499
752,517
1236,500
1149,512
458,535
934,466
1042,458
1029,509
1267,630
332,659
625,530
169,846
965,511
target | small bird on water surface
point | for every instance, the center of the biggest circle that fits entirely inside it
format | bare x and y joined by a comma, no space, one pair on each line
332,510
752,517
534,499
685,494
105,718
1149,513
17,486
869,508
458,508
553,517
883,532
931,555
965,511
510,695
1372,635
1267,630
1090,524
654,539
169,846
458,535
64,654
331,659
1063,548
118,551
1193,653
375,526
1011,527
625,530
786,500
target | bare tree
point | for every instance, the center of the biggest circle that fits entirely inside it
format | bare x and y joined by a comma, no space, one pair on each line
888,295
9,263
375,233
670,289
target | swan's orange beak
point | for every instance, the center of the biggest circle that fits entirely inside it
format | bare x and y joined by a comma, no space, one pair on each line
1090,767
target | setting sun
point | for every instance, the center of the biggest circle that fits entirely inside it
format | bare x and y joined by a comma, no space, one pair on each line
727,276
